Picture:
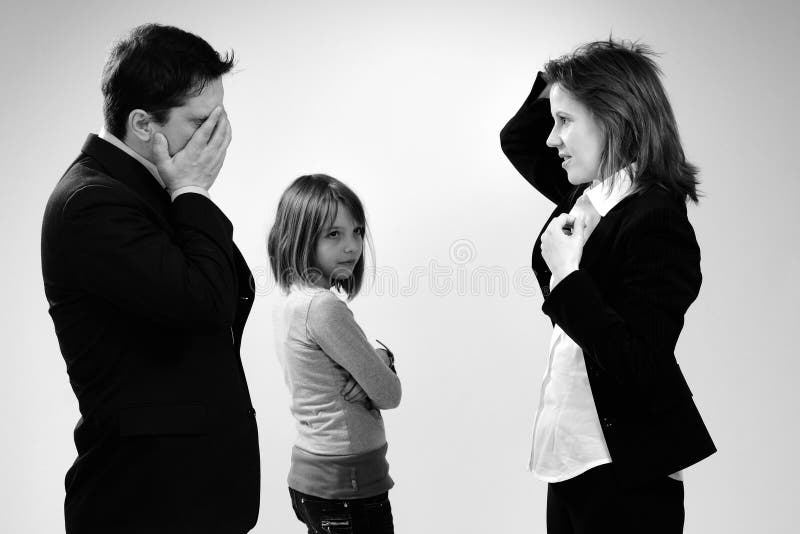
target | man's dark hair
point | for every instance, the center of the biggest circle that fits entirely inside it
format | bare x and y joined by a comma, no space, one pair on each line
157,68
620,84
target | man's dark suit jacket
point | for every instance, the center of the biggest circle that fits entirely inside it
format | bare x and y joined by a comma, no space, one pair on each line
149,299
624,307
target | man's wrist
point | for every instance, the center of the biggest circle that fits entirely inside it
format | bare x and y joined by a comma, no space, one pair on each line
189,189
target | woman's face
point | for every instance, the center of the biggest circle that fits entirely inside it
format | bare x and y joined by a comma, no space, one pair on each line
577,136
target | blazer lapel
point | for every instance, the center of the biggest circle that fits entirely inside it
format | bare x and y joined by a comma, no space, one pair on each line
126,170
537,262
599,243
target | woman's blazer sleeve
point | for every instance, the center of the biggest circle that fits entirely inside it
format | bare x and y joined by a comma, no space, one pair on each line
523,141
659,277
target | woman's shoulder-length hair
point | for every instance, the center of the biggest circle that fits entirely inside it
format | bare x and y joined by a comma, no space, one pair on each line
620,83
307,207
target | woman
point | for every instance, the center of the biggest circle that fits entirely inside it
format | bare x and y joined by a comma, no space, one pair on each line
619,265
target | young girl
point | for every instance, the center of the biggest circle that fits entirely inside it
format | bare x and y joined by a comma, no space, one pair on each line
339,478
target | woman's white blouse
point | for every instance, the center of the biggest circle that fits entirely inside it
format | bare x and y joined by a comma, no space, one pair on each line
567,437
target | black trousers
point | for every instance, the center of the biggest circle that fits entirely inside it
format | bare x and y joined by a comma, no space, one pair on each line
593,503
371,515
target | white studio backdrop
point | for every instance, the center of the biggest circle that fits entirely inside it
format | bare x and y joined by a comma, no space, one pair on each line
404,101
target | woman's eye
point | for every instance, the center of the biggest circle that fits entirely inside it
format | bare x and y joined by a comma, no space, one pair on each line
359,231
335,233
562,120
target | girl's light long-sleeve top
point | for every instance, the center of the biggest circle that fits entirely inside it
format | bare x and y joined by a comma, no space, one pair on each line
341,445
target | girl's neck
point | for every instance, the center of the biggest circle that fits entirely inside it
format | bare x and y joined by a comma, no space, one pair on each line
305,285
320,282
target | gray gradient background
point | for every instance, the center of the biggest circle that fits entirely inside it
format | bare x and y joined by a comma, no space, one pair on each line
404,101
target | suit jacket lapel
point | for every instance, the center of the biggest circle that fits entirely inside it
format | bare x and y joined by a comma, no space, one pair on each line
126,170
597,245
537,262
598,242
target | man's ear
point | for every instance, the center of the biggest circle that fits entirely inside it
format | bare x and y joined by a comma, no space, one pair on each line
140,125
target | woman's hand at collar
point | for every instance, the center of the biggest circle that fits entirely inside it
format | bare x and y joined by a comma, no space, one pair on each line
562,246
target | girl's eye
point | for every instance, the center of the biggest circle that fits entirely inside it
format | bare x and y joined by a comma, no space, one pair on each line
334,233
562,120
360,231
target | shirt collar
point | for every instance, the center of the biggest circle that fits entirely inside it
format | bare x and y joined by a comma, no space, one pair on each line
604,196
114,140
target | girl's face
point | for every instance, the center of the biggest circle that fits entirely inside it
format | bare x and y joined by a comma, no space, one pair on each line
577,136
339,248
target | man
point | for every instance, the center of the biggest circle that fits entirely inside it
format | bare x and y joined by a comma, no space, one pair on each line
149,297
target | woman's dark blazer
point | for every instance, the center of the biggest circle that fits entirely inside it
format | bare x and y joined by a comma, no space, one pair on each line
624,307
